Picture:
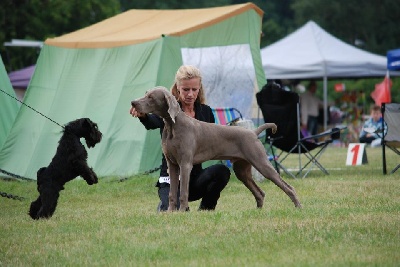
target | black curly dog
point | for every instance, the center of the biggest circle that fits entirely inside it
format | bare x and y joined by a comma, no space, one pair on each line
69,162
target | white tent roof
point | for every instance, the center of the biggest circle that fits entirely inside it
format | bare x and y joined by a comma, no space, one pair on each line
311,52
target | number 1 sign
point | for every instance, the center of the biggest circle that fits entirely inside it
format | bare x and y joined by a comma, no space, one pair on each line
356,154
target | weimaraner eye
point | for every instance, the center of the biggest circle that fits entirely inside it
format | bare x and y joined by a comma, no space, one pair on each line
149,95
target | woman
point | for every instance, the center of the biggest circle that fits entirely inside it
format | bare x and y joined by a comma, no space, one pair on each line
205,184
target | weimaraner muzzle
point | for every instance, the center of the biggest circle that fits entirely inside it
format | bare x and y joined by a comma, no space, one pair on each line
187,141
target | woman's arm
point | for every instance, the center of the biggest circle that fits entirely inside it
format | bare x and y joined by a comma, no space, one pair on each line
151,121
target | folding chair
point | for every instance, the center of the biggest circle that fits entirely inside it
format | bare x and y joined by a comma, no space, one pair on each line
226,116
391,116
283,108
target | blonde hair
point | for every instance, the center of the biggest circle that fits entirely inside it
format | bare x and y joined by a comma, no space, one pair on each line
187,72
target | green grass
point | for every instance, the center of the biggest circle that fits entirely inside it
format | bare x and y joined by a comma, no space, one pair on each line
349,218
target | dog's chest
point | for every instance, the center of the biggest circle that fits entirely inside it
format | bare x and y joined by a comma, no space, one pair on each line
170,151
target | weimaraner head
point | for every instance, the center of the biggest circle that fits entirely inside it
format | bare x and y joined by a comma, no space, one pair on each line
158,101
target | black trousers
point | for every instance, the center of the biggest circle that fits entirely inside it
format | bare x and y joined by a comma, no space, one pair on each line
206,185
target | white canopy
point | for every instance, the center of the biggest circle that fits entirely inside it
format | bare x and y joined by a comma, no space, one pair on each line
311,52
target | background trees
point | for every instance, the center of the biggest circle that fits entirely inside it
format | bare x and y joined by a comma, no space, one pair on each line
372,25
41,19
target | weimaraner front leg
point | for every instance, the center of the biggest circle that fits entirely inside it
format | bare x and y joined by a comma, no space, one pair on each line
185,169
174,184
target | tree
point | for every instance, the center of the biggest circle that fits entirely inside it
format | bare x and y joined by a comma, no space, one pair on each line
41,19
172,4
370,24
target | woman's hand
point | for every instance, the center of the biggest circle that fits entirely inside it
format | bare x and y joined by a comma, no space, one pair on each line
135,113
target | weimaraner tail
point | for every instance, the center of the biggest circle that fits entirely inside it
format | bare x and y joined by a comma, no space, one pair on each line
266,126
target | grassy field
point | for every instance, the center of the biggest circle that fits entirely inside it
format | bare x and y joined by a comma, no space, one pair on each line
349,218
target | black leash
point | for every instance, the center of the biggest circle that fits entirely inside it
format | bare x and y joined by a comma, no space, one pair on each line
30,179
144,173
13,174
12,196
62,126
16,175
4,194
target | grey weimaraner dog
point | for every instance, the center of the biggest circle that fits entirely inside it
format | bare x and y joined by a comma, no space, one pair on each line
187,141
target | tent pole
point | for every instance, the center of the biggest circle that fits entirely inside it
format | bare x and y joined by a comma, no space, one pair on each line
325,103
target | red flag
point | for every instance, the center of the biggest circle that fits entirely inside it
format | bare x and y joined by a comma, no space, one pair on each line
381,94
340,87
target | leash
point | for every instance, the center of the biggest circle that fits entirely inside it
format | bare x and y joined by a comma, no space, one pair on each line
62,126
139,174
4,194
29,179
13,174
16,175
15,197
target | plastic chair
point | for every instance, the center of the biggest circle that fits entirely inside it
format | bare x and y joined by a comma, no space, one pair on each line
391,116
283,108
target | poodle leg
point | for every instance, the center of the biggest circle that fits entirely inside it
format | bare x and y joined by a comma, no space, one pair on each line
49,203
87,173
34,208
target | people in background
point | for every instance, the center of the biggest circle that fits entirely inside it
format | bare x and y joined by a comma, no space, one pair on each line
371,132
310,105
205,184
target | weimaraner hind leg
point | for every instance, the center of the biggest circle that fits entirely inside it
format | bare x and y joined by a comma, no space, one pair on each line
268,172
256,157
242,170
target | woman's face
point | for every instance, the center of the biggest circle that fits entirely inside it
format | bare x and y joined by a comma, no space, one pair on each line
189,90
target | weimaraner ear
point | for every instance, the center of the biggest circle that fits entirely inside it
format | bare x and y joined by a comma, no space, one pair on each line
173,106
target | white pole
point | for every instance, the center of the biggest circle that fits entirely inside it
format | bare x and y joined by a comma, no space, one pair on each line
325,103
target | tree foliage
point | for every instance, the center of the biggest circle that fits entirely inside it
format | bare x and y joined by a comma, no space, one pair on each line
370,24
41,19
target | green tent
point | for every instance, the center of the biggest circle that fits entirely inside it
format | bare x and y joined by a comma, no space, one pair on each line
95,72
9,106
